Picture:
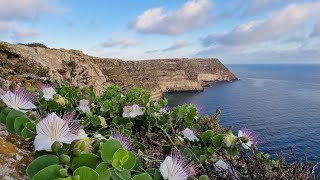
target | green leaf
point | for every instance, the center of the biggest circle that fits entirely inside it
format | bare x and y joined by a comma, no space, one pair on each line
119,158
109,148
49,173
232,151
206,136
19,124
217,140
26,133
53,105
3,115
41,162
123,174
129,164
143,176
103,171
88,160
157,175
86,173
13,114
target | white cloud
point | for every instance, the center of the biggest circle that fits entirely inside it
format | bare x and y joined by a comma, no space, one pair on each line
25,9
193,14
14,12
122,43
274,27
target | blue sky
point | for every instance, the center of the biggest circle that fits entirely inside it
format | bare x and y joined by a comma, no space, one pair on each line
237,31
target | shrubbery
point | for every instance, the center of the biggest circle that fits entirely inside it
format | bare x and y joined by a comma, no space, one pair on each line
34,45
80,135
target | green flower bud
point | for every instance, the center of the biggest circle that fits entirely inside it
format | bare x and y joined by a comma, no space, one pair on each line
63,172
56,146
76,152
80,145
64,159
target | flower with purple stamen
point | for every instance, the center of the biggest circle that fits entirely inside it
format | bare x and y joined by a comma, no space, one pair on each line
175,166
164,110
48,91
247,138
20,99
54,128
125,141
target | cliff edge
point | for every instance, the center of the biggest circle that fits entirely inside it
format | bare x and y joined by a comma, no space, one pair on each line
22,63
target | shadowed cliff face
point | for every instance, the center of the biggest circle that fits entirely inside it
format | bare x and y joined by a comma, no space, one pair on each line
22,63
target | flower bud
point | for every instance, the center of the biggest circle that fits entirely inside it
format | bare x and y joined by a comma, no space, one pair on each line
61,101
63,172
56,146
76,152
64,159
103,122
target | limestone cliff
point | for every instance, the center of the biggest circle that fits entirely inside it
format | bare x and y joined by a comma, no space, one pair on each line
23,63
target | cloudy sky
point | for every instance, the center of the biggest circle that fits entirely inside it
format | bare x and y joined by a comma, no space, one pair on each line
236,31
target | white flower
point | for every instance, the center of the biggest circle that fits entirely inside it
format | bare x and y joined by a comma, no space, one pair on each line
175,167
189,134
247,138
51,129
132,111
196,118
84,106
81,134
19,99
48,93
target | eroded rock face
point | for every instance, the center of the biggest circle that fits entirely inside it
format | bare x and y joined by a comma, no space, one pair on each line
166,75
15,155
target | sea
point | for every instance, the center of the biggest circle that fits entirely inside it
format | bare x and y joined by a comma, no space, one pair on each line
281,103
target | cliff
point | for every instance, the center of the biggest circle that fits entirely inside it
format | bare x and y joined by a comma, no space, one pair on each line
22,63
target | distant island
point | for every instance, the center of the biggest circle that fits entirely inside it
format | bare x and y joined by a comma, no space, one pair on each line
22,63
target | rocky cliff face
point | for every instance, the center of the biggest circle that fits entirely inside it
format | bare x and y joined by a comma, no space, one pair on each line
22,63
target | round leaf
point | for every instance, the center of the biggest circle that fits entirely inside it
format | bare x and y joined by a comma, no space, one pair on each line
19,124
86,173
109,148
41,162
89,160
143,176
50,172
13,114
103,171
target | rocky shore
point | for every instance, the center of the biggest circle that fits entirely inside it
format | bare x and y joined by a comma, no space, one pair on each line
22,63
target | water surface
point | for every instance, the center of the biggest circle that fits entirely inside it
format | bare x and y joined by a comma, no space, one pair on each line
280,102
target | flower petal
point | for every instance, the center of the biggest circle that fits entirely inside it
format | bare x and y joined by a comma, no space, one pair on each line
164,169
42,143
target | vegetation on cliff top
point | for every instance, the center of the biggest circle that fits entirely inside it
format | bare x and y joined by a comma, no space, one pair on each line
80,135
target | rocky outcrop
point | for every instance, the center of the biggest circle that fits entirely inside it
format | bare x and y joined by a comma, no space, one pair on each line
22,63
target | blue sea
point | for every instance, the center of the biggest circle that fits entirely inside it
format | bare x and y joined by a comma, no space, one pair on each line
279,102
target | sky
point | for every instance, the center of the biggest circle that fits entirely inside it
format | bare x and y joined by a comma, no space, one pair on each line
235,31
